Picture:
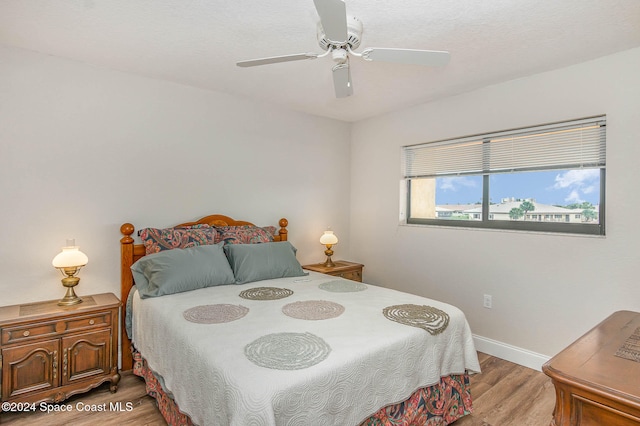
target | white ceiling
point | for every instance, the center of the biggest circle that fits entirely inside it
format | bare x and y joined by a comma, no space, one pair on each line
197,42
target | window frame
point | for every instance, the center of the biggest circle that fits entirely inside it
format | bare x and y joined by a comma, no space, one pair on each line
512,225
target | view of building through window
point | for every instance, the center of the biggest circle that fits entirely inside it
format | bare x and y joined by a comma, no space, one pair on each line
567,196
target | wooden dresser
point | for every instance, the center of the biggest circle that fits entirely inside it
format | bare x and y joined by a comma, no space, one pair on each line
343,269
594,386
50,352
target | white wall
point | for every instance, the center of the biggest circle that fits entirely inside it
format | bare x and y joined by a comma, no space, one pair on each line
75,139
547,289
85,149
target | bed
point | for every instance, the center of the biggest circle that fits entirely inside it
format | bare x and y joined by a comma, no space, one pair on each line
226,328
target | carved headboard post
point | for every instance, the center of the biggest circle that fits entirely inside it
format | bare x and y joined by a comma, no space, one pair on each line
283,229
126,282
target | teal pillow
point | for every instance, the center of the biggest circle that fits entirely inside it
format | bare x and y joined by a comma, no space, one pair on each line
178,270
257,262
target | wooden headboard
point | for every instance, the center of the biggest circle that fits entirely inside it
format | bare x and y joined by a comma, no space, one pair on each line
130,253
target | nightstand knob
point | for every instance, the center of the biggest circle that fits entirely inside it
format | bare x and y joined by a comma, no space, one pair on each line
91,322
26,333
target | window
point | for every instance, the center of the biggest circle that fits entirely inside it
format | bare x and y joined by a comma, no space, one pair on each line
547,178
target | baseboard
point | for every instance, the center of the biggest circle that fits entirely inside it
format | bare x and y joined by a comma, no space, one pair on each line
510,353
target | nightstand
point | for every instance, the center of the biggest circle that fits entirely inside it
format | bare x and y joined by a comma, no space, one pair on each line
343,269
50,352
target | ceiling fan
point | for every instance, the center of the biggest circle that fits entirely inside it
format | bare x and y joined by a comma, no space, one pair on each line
339,35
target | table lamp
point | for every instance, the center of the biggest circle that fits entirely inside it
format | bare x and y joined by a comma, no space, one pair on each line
69,261
328,239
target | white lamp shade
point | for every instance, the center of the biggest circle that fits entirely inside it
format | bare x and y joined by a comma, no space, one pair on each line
328,238
70,257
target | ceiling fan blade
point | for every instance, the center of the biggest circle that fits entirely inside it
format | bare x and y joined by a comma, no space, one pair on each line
342,80
276,59
333,17
407,56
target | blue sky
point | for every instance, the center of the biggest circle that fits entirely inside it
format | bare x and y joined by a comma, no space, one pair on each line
558,187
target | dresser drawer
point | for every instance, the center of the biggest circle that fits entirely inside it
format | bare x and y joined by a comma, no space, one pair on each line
594,413
36,330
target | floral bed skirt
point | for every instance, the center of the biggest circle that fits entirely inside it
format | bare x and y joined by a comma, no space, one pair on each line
438,405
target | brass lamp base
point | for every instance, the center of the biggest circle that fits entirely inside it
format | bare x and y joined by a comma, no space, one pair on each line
70,281
70,298
328,252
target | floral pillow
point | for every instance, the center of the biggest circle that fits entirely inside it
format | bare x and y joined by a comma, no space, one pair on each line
157,240
272,230
245,234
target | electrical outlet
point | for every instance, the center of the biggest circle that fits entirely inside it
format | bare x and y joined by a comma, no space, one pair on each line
487,301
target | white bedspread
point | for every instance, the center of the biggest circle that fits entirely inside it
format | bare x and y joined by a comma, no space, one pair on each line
373,361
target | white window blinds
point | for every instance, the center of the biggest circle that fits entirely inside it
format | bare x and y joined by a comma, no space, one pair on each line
567,145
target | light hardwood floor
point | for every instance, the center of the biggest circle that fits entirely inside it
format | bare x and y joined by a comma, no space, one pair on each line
131,389
505,394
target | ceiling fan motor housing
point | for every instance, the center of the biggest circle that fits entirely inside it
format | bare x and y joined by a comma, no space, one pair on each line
346,35
354,35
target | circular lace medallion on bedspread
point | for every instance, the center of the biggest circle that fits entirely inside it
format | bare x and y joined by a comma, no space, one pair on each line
342,286
266,293
215,314
287,351
313,310
428,318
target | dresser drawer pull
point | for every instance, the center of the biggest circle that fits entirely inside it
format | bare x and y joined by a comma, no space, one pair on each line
91,322
26,333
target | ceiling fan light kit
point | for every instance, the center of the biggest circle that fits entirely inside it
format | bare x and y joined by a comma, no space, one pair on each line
339,55
339,35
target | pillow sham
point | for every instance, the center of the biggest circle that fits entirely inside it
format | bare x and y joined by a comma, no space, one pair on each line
179,270
244,234
257,262
271,230
156,240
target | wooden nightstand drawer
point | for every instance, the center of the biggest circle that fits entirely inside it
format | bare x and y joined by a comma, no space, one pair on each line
28,332
51,328
342,269
89,321
351,275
